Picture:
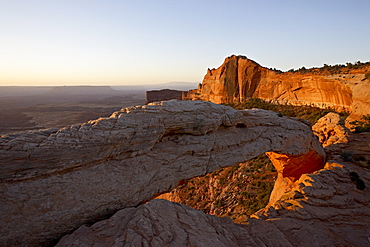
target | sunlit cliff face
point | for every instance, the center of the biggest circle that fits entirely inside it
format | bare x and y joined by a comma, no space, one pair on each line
239,78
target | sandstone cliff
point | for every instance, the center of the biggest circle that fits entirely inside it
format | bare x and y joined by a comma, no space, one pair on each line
54,181
239,78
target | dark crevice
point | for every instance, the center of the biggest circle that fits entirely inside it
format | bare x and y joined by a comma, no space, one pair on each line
241,125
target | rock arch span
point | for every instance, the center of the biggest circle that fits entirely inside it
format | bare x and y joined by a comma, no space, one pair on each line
53,181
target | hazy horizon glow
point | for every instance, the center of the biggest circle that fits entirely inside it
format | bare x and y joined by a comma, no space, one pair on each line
45,43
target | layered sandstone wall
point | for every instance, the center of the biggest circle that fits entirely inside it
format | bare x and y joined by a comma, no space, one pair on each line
240,78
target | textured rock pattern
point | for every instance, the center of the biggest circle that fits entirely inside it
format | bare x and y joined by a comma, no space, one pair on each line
160,223
239,78
323,209
54,181
331,130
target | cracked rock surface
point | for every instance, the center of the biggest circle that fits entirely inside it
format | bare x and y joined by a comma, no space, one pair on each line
53,181
323,209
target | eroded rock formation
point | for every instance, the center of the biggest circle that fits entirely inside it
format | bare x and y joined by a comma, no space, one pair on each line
323,209
239,78
54,181
331,130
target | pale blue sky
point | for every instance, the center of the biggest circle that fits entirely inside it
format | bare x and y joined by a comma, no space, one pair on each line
142,42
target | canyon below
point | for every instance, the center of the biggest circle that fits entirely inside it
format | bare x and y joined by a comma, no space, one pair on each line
94,166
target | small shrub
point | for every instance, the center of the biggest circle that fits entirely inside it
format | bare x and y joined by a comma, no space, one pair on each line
360,184
363,125
218,203
358,157
365,164
347,155
245,194
367,76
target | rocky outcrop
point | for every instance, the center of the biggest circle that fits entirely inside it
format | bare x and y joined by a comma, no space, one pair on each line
164,94
160,223
54,181
240,78
341,144
331,130
324,209
234,81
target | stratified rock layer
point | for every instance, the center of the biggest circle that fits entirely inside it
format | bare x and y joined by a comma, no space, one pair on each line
239,78
323,209
54,181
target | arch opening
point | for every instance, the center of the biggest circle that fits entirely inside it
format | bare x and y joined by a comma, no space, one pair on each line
235,191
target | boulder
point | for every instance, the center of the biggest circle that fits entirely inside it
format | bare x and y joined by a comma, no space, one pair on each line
331,129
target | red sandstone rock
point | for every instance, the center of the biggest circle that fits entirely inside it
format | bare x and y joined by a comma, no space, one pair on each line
290,168
331,130
239,78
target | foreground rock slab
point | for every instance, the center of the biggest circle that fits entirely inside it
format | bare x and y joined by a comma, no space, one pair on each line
54,181
323,209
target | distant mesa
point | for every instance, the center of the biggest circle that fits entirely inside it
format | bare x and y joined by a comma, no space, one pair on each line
164,94
86,90
182,86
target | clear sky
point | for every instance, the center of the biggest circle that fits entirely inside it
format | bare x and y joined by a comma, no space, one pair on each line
106,42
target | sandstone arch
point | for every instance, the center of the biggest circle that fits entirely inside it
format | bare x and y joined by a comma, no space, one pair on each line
53,181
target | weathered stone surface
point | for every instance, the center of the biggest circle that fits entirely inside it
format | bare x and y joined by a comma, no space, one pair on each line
359,144
323,209
361,96
331,130
239,78
54,181
160,223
